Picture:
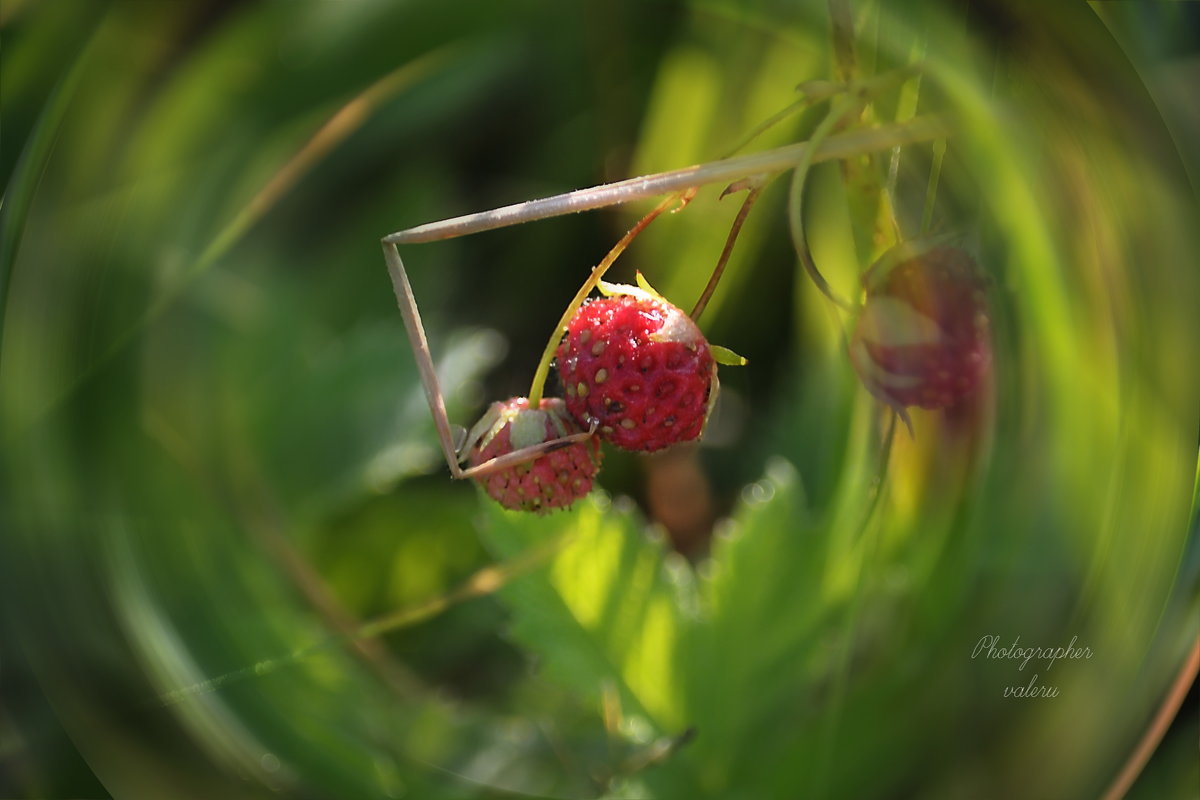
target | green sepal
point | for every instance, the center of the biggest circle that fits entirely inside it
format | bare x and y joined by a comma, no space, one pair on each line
612,289
527,428
723,355
481,432
645,285
643,290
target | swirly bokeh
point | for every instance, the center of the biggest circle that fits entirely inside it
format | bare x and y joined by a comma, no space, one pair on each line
234,564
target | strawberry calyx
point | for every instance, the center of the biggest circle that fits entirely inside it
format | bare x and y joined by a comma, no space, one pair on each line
679,327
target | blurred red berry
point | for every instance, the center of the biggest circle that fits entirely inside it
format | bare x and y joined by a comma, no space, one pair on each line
923,336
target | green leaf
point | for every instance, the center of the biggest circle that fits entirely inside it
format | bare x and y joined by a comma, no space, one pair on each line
350,419
763,612
611,609
606,610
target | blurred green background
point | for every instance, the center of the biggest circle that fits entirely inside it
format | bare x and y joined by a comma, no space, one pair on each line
218,464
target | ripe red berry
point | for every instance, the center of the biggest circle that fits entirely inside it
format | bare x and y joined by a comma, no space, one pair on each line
639,369
554,480
923,336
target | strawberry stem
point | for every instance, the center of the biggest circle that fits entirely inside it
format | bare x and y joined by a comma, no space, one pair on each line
796,200
543,368
719,269
811,93
935,172
906,109
841,18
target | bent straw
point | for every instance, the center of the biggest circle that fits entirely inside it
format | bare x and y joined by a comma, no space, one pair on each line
842,145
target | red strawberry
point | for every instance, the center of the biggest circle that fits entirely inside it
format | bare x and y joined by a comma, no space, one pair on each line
638,368
923,337
554,480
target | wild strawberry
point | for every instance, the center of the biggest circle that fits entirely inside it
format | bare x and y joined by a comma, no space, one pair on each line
922,337
638,368
554,480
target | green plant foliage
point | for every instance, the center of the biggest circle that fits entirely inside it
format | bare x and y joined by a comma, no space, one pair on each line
613,610
234,564
603,609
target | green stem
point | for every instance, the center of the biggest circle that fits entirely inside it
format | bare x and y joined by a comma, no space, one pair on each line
841,18
543,368
866,561
935,172
796,199
806,100
719,270
906,109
